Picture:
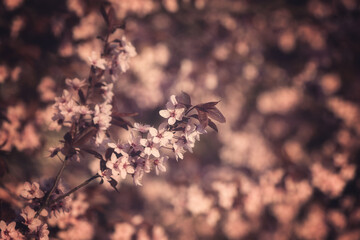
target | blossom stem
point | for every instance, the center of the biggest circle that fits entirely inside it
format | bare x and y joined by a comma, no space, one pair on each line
48,195
189,110
86,182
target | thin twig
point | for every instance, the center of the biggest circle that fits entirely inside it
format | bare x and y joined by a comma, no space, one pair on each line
76,188
48,195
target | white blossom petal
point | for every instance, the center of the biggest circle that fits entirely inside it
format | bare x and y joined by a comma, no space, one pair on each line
164,113
171,121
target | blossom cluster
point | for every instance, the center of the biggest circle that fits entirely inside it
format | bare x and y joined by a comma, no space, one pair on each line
88,101
86,108
146,147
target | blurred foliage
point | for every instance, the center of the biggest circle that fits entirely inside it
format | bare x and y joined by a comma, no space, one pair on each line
284,166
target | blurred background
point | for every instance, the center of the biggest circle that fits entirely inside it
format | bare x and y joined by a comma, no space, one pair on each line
287,72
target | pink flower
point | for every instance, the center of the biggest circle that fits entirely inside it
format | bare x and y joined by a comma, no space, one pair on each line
43,232
8,232
103,116
123,61
151,148
68,110
96,61
107,92
193,131
159,165
107,173
120,165
174,111
31,191
33,223
161,136
123,231
75,84
138,175
179,150
143,128
128,47
134,141
126,52
103,119
84,110
120,148
65,97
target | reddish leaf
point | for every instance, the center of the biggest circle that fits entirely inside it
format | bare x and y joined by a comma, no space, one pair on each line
203,118
121,122
82,96
184,98
112,18
121,25
93,152
108,153
68,138
207,105
194,116
53,154
213,125
178,129
85,136
113,183
99,85
104,14
103,165
134,154
215,114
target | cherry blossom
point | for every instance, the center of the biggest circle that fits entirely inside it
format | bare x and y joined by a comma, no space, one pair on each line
8,232
138,175
31,191
174,111
33,223
143,128
102,118
128,47
96,61
128,51
151,148
134,141
159,164
161,135
120,148
120,165
179,150
75,84
43,232
107,91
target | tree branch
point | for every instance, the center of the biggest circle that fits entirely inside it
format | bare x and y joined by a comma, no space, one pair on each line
48,195
76,188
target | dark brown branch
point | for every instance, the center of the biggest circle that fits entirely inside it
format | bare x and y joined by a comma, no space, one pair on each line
76,188
48,195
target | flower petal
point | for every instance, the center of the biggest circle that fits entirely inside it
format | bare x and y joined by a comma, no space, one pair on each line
164,113
153,132
171,121
155,152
